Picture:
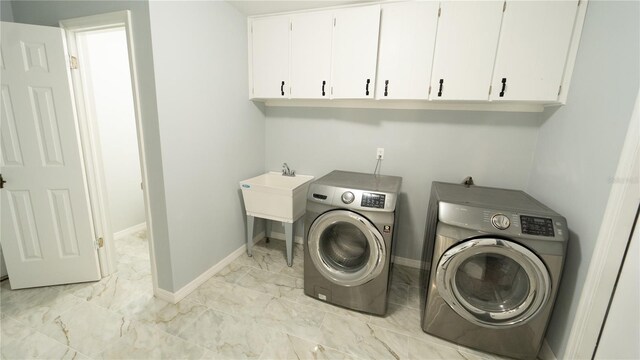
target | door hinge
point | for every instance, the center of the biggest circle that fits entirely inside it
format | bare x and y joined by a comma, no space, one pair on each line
504,7
579,1
252,28
332,90
490,86
73,62
334,22
291,26
559,90
99,243
439,11
429,90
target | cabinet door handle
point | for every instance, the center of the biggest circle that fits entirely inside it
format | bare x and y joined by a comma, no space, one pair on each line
366,92
282,88
386,87
323,84
504,85
440,88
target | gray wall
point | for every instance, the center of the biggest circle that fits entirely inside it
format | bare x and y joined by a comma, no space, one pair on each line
6,12
579,144
50,13
496,148
212,135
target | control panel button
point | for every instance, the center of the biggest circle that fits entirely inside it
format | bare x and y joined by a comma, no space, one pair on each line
500,221
348,197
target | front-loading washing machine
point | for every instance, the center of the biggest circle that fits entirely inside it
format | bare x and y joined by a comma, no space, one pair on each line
350,224
493,260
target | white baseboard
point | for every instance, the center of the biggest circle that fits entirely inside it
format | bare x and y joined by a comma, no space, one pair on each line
545,352
129,231
407,262
175,297
281,236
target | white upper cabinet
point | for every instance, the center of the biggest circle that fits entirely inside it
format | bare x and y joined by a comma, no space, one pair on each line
355,50
311,55
490,54
532,51
465,49
407,38
270,57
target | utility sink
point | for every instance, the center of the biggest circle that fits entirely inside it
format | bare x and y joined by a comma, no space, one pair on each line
276,197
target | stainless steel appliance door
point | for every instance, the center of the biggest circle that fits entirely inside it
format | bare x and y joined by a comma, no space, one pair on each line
346,248
493,283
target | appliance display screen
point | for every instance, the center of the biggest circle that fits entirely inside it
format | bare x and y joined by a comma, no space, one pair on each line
536,226
373,200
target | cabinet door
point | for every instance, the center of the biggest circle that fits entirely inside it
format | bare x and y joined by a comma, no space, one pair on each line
311,55
354,52
270,57
407,37
533,47
468,33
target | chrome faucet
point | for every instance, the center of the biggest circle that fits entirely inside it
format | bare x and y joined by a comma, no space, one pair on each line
286,171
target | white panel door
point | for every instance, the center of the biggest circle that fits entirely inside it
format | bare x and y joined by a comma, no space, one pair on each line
354,52
407,38
532,52
311,55
270,57
465,51
47,237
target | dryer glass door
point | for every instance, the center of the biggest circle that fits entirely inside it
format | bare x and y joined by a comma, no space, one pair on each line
346,248
493,282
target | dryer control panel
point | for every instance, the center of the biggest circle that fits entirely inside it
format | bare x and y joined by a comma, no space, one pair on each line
504,222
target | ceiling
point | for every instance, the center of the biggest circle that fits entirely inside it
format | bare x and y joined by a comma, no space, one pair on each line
259,7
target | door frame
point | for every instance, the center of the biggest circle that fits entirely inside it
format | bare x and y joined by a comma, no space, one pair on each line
611,244
89,140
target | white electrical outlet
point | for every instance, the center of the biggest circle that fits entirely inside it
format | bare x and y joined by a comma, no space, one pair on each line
380,153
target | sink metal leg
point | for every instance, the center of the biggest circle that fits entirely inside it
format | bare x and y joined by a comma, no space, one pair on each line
267,226
250,221
288,231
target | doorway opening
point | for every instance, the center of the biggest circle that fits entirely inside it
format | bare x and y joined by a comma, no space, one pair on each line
107,102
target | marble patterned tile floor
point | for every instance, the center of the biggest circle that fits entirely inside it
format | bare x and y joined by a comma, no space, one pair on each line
254,308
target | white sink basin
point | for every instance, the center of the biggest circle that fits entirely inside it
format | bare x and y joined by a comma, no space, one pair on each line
276,197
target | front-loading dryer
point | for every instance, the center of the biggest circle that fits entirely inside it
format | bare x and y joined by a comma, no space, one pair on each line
493,260
349,230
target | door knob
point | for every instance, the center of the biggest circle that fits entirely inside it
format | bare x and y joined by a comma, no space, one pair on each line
2,182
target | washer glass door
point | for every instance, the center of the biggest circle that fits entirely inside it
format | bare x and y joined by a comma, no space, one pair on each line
346,248
494,283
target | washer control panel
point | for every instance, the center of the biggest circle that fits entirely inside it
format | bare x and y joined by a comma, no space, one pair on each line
355,199
534,225
372,200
